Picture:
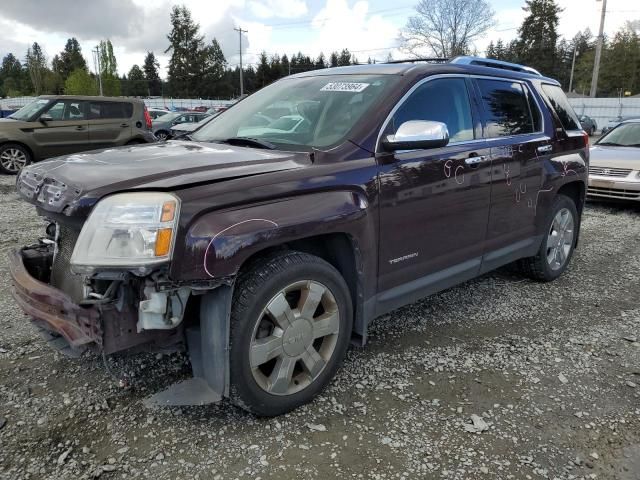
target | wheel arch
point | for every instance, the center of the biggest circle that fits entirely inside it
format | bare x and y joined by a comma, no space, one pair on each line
576,191
22,144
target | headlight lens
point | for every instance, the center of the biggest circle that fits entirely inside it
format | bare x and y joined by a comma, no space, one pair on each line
127,230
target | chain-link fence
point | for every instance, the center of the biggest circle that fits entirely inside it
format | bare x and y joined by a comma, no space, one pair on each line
604,109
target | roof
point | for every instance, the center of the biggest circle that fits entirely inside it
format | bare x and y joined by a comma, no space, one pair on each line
95,98
421,69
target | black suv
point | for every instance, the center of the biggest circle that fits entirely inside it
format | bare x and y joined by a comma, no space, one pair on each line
58,125
266,250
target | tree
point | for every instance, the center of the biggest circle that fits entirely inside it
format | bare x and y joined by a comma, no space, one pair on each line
151,75
36,63
136,83
344,58
69,59
80,83
333,59
538,36
446,28
213,66
186,45
108,69
11,76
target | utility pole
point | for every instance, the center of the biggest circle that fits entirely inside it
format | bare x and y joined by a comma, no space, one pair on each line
596,65
98,67
240,32
573,66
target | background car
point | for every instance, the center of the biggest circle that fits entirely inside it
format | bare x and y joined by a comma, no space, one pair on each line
614,171
589,125
611,124
157,112
58,125
162,125
184,128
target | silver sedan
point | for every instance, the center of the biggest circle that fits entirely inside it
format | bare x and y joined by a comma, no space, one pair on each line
614,171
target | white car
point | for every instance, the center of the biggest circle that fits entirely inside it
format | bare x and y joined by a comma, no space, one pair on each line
183,128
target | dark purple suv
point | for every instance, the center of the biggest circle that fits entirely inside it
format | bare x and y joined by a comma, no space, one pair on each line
266,241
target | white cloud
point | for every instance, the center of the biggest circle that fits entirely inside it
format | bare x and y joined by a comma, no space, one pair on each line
278,8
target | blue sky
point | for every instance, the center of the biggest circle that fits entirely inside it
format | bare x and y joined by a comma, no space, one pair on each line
369,28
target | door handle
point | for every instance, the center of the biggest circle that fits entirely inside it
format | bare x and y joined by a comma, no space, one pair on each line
79,127
545,148
476,160
123,125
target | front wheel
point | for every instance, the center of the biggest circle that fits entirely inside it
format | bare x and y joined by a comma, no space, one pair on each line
162,136
557,245
291,323
13,157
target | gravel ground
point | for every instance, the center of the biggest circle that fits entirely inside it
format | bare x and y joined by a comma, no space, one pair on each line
497,378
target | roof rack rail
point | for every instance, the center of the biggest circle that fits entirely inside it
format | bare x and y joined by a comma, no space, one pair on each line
489,62
414,60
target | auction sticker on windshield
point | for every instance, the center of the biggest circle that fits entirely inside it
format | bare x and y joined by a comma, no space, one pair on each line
344,87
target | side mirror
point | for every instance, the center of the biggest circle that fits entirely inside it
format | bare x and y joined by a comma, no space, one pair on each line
44,118
417,134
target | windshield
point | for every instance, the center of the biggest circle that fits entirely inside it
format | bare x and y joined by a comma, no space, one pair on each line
29,110
626,135
301,112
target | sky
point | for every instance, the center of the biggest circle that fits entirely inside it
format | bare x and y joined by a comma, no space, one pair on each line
368,28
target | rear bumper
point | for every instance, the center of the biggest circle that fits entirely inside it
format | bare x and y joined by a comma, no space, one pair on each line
52,308
606,187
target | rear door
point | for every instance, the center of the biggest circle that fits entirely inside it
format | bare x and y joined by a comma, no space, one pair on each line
512,125
66,132
110,123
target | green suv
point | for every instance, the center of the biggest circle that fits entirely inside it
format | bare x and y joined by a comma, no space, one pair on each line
55,125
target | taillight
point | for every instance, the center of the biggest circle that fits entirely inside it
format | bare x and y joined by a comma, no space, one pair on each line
147,118
586,138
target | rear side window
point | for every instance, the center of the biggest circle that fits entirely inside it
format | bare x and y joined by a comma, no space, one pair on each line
110,110
561,105
506,108
443,100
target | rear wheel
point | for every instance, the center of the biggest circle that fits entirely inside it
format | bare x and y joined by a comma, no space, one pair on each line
13,157
290,328
557,245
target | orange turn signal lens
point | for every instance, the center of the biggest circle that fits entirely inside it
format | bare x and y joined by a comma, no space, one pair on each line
163,242
168,211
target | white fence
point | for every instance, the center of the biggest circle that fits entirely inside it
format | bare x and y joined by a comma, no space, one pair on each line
604,109
18,102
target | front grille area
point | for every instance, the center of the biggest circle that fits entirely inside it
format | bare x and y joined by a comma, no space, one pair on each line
614,193
61,276
610,172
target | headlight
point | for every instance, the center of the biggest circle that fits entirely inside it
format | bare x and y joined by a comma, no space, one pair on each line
127,230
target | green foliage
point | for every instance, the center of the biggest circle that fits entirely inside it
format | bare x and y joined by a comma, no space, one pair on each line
186,46
79,82
136,83
151,75
36,63
538,36
69,60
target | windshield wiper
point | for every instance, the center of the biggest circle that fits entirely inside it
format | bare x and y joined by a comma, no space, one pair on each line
248,141
612,144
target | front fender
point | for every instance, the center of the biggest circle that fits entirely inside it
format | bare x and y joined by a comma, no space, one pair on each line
218,243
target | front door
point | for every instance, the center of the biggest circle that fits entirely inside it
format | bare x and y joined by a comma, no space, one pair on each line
66,131
513,128
434,204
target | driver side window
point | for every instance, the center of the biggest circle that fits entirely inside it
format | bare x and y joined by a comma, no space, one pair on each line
443,100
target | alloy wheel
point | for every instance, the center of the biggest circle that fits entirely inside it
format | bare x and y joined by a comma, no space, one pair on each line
560,239
13,159
294,337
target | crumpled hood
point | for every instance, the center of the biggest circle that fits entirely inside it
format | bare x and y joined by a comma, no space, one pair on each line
67,183
615,157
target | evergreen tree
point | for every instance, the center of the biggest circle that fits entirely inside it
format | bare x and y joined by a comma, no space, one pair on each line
69,59
11,76
186,46
321,62
136,83
344,58
151,75
333,59
538,36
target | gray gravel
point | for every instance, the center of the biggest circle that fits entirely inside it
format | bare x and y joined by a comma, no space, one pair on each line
498,378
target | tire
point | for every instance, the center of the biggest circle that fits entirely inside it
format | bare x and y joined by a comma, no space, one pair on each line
276,362
13,157
162,135
552,260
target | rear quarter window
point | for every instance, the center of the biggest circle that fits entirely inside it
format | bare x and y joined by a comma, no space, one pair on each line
507,110
562,107
110,110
